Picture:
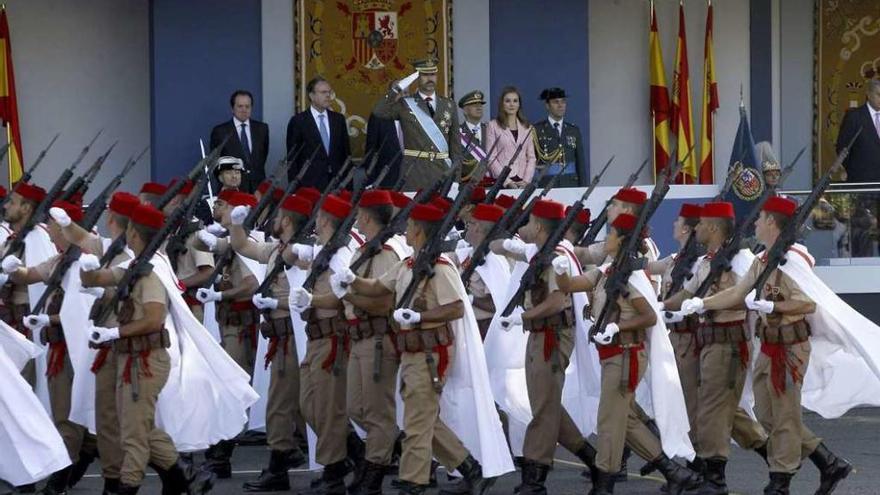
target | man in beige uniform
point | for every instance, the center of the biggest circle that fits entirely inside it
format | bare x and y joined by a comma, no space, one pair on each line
143,364
783,361
425,338
282,407
236,315
550,321
481,220
104,367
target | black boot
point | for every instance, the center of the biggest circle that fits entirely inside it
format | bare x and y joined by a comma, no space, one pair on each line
189,479
355,447
332,481
677,476
217,459
832,469
372,479
29,488
621,475
111,486
587,455
128,489
78,470
57,483
170,486
534,475
762,451
273,479
472,480
604,484
779,484
432,479
714,482
357,480
407,488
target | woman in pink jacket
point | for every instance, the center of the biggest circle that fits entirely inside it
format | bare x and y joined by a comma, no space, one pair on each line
510,128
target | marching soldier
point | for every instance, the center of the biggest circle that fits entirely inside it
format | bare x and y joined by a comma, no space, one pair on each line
473,131
579,227
482,218
558,142
429,123
283,404
150,192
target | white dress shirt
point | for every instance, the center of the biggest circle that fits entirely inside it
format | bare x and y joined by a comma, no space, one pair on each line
247,131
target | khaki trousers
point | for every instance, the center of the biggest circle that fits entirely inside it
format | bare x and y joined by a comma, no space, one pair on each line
371,404
721,383
687,359
239,346
142,441
426,434
322,400
551,423
107,419
60,386
282,406
618,422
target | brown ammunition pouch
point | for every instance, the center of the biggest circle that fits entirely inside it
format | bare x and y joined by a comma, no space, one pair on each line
319,328
688,325
278,327
563,319
237,314
51,334
794,333
711,332
12,315
365,327
630,338
142,343
424,339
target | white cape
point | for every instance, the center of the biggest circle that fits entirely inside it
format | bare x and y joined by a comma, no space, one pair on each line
38,247
31,447
75,322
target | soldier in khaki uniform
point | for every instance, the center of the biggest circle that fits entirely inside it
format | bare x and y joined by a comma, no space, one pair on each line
784,357
480,222
420,151
621,346
143,364
581,223
425,328
283,406
104,367
236,315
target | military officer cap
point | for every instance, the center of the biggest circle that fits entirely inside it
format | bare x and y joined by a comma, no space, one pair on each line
229,163
474,97
426,66
552,93
766,157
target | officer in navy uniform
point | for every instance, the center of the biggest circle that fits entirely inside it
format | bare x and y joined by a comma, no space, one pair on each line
471,106
554,136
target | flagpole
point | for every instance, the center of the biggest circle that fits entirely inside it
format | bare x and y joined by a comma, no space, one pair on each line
653,114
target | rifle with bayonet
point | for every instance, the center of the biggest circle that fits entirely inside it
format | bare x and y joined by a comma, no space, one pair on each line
599,222
81,184
176,246
26,177
273,207
377,182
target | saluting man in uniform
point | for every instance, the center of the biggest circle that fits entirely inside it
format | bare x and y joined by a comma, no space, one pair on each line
559,142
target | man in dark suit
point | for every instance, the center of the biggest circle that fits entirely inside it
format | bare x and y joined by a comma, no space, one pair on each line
863,162
249,140
558,142
319,128
384,135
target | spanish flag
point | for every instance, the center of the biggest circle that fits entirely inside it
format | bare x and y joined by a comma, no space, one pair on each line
660,105
8,102
682,119
710,105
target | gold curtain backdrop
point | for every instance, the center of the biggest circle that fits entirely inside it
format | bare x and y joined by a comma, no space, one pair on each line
361,46
847,55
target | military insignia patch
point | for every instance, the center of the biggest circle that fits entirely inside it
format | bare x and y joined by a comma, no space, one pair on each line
747,182
571,141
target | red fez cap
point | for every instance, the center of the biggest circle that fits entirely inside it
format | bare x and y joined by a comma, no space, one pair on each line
277,194
442,204
123,203
297,204
148,216
504,201
625,222
488,213
720,209
73,211
478,195
2,192
186,189
226,194
242,199
583,216
399,199
153,188
263,187
631,195
345,194
336,206
548,209
309,193
779,204
375,197
76,198
426,213
30,192
690,210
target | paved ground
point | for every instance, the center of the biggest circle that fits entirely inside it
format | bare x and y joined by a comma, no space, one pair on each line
855,436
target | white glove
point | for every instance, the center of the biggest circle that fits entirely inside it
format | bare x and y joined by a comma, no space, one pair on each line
453,235
10,264
760,306
339,288
662,305
512,320
300,297
3,279
35,322
303,252
471,298
561,265
60,216
514,246
346,276
299,309
208,239
461,244
99,335
407,317
97,292
238,214
207,294
691,306
216,229
264,302
606,335
89,262
672,316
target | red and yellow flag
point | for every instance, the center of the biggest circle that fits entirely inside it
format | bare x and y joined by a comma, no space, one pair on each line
710,105
682,118
9,103
660,105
